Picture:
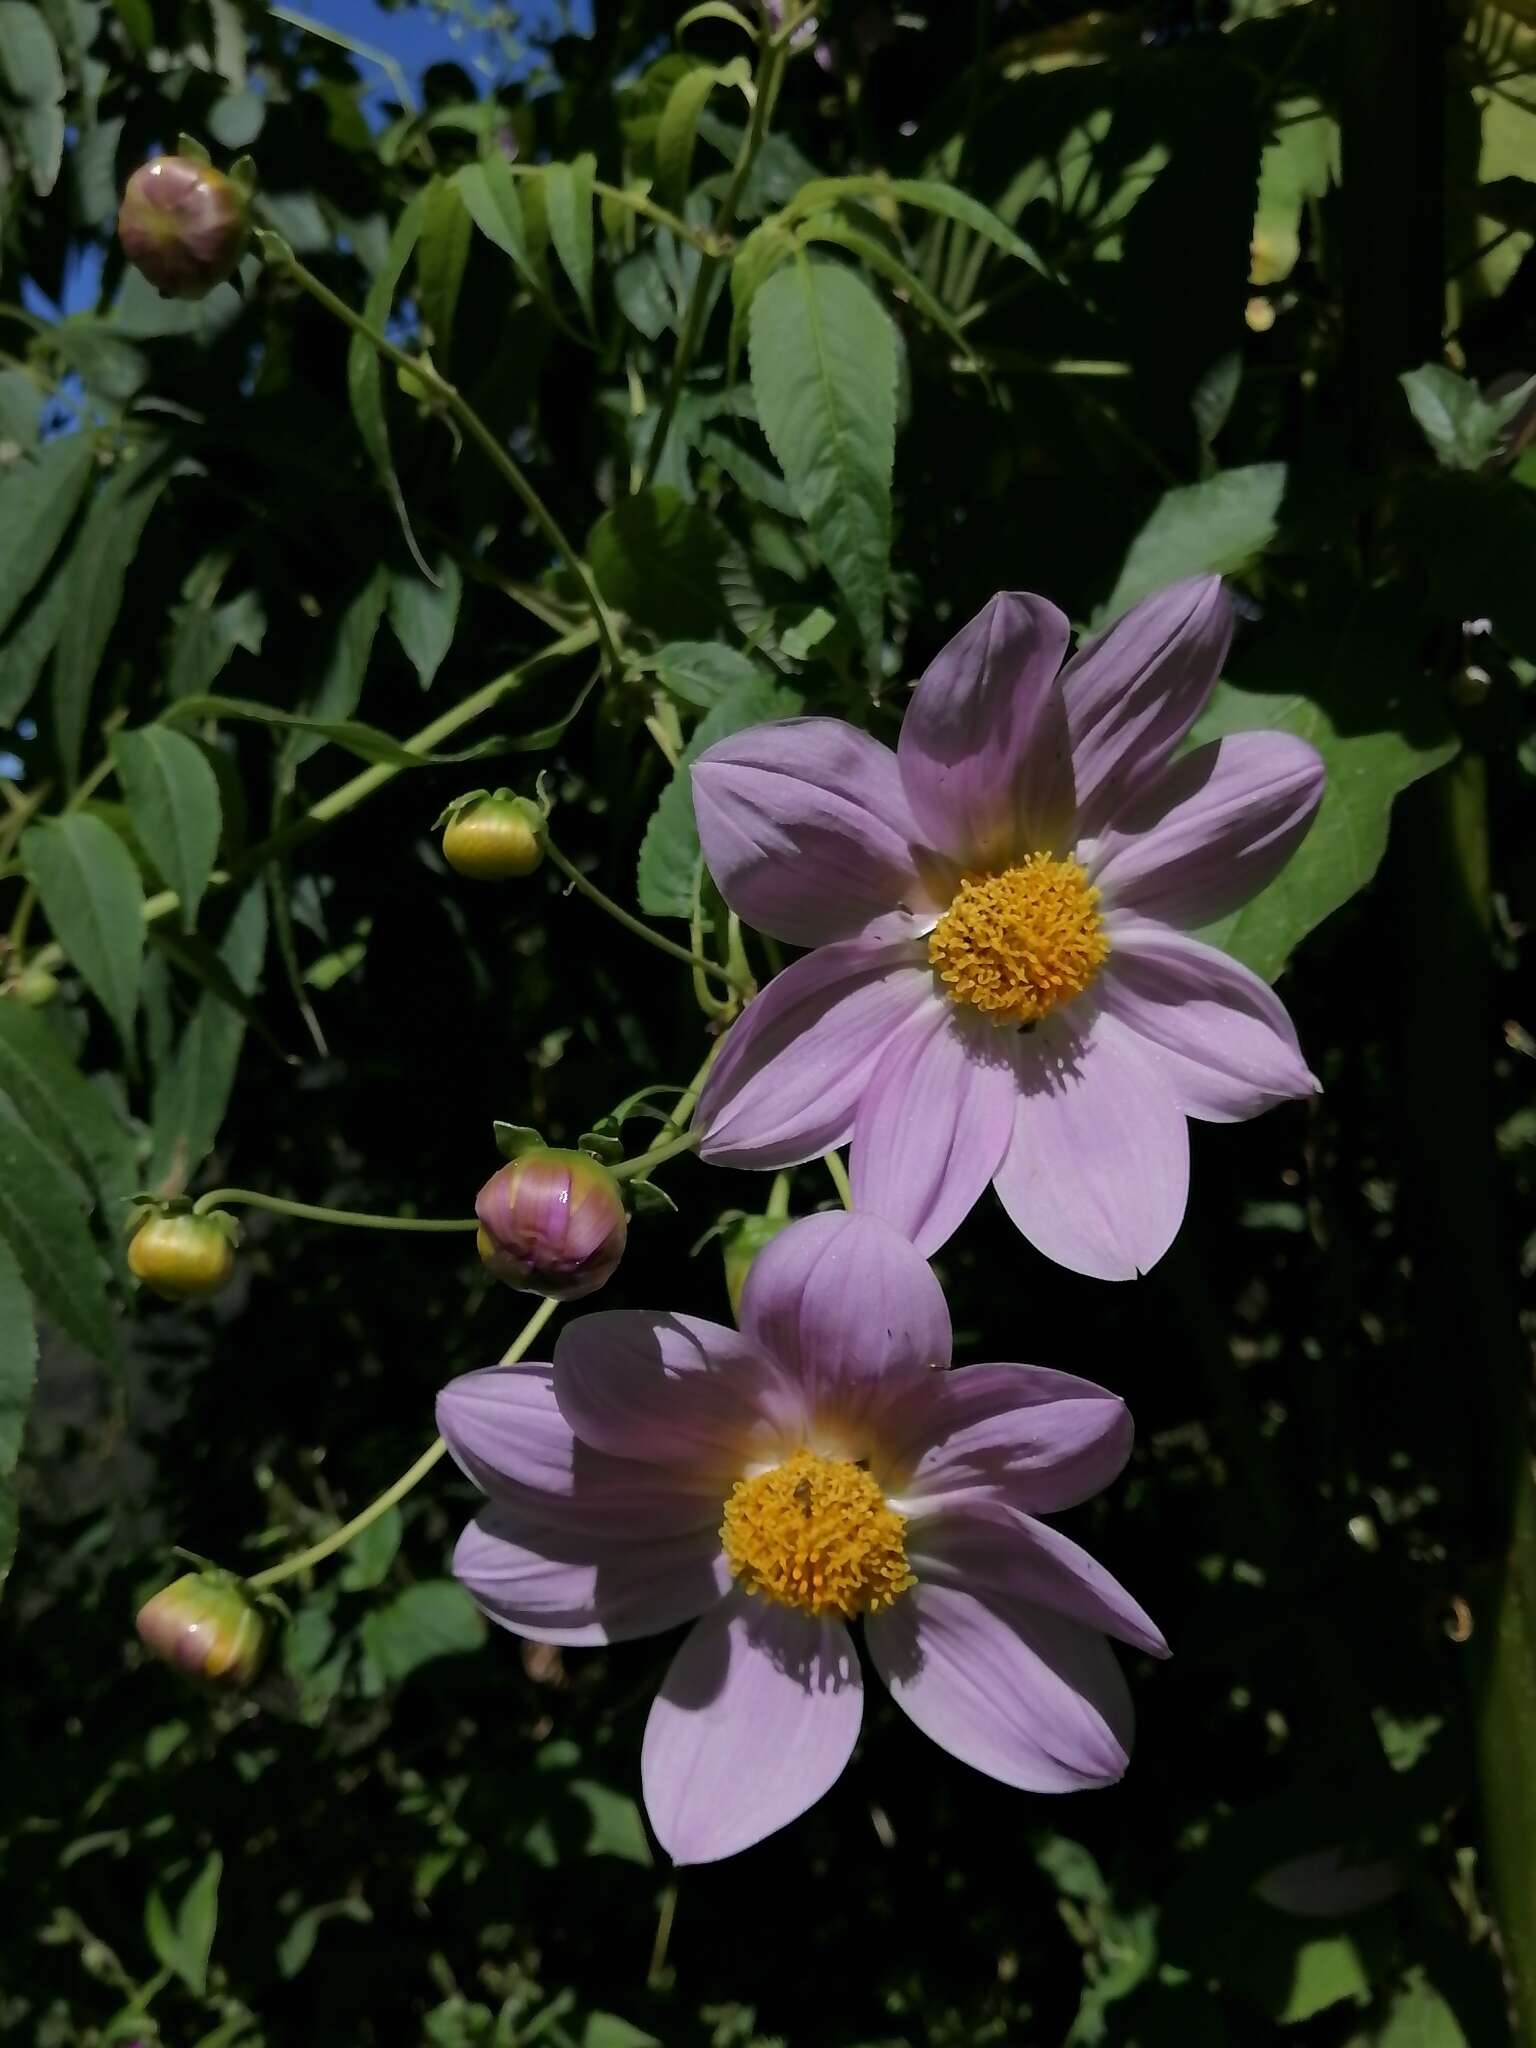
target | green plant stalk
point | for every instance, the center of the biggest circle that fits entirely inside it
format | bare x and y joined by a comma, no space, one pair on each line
638,202
285,263
312,1212
631,1169
770,74
338,1539
362,786
641,930
838,1174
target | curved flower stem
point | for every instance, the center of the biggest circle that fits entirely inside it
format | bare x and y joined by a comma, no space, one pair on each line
283,260
636,925
311,1212
833,1162
770,73
340,1538
631,1169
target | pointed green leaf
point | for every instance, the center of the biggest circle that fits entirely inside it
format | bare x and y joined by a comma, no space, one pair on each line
490,191
38,498
192,1089
424,616
90,890
18,1373
655,557
932,195
436,1618
365,380
677,130
568,197
32,639
824,365
701,672
185,1944
42,1218
1197,529
441,254
173,799
98,569
72,1117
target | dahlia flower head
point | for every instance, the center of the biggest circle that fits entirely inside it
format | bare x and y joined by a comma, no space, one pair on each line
1003,984
772,1484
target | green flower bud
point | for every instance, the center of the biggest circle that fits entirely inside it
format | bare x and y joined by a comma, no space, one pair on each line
205,1626
740,1245
493,837
552,1223
183,1257
183,225
35,987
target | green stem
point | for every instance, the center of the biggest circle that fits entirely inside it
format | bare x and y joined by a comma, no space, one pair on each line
839,1173
339,1538
770,72
636,925
283,260
637,202
312,1212
631,1169
362,786
778,1197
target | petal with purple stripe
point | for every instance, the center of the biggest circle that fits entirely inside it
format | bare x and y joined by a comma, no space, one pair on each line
806,829
755,1720
983,748
788,1081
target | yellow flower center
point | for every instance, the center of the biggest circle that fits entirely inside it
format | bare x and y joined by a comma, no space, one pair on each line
1019,944
816,1533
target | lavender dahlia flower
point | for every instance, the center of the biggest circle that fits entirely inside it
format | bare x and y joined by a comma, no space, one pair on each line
1003,985
773,1484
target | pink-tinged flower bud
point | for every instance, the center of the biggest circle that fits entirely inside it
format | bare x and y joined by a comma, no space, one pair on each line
204,1626
183,225
552,1223
740,1245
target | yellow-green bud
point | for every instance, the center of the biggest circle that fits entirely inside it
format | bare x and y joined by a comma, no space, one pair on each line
494,838
182,1257
205,1626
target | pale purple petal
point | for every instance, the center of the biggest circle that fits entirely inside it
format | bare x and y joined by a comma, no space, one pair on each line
504,1428
1133,693
986,1547
787,1084
846,1305
1212,830
1040,1440
1022,1694
1221,1036
675,1391
561,1585
1097,1175
933,1125
983,748
806,829
754,1722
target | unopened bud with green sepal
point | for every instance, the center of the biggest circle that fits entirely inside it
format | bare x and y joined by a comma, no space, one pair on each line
180,1255
183,225
206,1626
492,835
552,1222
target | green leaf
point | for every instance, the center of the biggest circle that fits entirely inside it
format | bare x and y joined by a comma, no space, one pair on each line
42,1219
1362,711
204,637
435,1618
568,196
701,672
931,195
1418,2017
30,68
346,670
366,741
90,890
424,616
441,254
38,498
831,227
606,2029
185,1945
1196,529
677,131
98,570
753,264
18,1373
668,876
298,1944
71,1116
490,192
365,380
192,1088
32,640
614,1826
824,364
173,799
1460,424
655,557
371,1553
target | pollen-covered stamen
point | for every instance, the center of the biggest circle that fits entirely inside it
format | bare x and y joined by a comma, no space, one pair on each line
1018,944
816,1533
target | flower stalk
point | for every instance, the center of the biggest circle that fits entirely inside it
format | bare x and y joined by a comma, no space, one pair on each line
314,1212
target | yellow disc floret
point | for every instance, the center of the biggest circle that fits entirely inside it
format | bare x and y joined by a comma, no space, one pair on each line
818,1534
1019,944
